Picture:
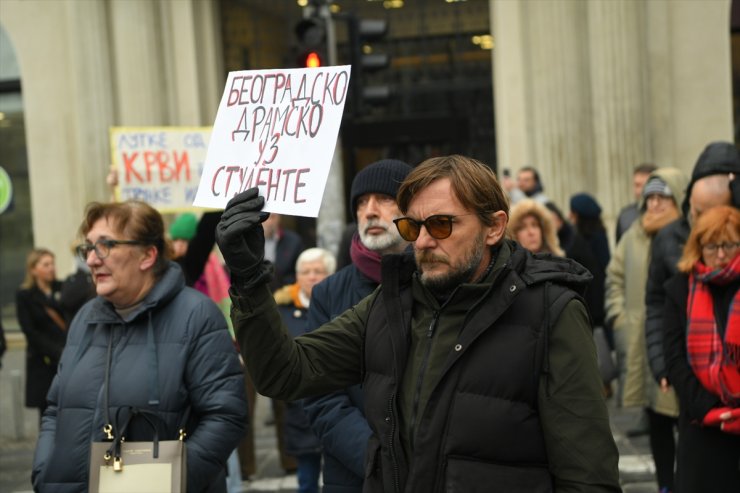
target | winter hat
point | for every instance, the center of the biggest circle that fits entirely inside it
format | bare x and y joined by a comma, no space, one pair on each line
656,186
183,228
384,176
717,158
585,205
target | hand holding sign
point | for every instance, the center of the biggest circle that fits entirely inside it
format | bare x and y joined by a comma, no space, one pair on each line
275,130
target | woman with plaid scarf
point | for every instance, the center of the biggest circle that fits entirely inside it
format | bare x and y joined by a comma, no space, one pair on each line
702,346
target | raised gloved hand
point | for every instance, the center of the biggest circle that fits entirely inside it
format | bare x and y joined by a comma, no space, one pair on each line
240,237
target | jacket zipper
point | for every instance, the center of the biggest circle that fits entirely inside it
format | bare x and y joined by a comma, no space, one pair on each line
420,380
391,448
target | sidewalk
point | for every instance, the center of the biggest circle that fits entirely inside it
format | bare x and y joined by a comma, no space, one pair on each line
18,430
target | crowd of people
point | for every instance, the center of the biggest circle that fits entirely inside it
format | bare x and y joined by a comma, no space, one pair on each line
471,337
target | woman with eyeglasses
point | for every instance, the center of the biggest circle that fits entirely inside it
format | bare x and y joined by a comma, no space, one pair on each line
702,348
145,342
531,225
40,316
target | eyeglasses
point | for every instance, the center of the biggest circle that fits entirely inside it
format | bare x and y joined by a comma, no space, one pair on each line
729,248
438,226
102,247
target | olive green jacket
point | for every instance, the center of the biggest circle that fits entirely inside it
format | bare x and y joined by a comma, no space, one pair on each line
581,452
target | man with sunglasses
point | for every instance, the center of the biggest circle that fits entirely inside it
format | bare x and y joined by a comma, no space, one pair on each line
476,357
338,418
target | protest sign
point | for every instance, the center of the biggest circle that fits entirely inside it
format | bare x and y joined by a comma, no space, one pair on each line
159,165
276,130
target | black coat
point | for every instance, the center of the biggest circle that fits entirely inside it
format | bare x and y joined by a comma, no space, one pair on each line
708,460
44,340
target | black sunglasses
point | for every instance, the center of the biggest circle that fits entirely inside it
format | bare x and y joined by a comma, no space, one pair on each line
439,226
102,247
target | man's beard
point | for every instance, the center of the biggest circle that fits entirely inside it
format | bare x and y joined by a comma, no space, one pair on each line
382,242
442,285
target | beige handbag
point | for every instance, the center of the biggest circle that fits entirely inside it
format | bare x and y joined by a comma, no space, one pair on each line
118,466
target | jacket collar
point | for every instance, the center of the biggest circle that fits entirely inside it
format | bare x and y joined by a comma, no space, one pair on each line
166,288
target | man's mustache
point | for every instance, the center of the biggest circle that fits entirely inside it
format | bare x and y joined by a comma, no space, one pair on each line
425,257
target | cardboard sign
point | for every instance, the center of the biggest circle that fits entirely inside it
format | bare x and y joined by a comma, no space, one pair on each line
159,165
276,130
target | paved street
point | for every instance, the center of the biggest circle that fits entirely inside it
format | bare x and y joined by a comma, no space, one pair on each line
18,429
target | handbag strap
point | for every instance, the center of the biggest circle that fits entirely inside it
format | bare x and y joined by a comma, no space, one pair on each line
108,426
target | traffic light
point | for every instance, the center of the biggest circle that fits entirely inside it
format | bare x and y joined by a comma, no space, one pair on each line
366,60
311,35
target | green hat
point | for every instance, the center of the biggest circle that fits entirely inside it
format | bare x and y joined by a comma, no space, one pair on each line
183,228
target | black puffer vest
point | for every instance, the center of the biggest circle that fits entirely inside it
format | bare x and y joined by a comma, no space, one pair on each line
480,430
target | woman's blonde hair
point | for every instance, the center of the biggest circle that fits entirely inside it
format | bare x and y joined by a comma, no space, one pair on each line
33,258
716,225
527,208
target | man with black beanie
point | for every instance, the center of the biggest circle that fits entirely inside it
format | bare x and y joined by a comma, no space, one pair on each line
714,181
338,419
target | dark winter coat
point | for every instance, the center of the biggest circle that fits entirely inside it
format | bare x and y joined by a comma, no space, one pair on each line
564,408
298,438
174,348
577,248
44,340
708,460
77,289
339,418
665,251
289,247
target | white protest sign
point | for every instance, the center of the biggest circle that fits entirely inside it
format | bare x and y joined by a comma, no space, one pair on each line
276,130
159,165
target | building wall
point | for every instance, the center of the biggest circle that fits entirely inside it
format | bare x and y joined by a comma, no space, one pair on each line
585,91
87,66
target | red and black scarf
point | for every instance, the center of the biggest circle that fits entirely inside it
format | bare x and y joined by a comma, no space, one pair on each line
715,361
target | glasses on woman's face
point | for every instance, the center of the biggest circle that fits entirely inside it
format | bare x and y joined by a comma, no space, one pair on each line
102,247
730,248
438,226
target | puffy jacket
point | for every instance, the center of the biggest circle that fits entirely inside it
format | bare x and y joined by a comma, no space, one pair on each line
173,348
339,418
580,451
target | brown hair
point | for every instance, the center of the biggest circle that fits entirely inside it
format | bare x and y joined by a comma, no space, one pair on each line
715,225
529,207
136,220
33,258
473,183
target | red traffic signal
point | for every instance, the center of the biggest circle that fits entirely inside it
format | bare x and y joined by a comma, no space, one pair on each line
310,59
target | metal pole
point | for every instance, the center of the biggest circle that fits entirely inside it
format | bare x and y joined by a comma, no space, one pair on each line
331,220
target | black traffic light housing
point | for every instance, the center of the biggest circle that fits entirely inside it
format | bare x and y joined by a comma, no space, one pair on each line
361,33
312,49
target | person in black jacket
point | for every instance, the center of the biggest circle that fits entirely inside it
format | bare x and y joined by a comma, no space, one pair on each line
42,321
338,418
710,186
702,349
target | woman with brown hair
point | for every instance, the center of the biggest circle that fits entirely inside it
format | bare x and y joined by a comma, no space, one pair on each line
40,317
702,348
145,344
531,225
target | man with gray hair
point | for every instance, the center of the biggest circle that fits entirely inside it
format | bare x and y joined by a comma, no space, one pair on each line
338,419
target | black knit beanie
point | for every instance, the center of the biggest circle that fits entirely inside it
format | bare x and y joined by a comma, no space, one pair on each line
717,158
384,176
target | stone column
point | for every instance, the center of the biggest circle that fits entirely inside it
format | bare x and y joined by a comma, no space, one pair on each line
584,91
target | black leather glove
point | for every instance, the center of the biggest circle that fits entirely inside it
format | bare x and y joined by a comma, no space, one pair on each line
241,239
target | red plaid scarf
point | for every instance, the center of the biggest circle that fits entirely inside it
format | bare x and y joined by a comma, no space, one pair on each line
715,362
